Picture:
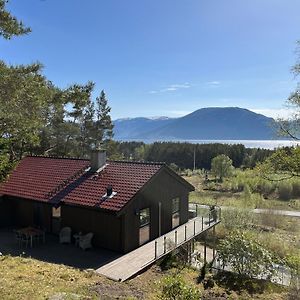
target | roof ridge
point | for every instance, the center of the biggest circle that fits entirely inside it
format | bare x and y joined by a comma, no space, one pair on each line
58,157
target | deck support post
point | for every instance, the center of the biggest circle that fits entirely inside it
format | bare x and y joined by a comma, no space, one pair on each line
176,238
196,210
202,222
185,232
195,227
205,261
155,250
214,242
165,244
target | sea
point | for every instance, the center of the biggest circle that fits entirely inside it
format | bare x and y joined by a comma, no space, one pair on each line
263,144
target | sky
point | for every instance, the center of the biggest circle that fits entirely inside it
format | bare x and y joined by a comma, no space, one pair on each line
164,58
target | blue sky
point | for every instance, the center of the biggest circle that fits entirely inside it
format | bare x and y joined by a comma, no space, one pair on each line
169,57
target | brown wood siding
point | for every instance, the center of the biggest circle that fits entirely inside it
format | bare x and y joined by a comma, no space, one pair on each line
162,189
105,226
21,213
5,213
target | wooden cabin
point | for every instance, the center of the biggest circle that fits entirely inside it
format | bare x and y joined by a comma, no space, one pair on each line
125,204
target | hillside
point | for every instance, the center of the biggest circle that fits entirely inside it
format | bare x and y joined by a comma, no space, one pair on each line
215,123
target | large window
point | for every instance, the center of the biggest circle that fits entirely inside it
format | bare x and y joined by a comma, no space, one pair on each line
175,212
144,225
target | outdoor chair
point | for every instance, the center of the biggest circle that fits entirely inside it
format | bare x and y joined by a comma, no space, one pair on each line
85,241
65,235
21,238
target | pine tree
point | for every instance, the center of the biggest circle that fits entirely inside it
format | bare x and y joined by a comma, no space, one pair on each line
104,125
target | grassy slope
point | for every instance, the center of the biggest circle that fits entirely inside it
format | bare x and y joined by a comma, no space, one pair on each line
25,278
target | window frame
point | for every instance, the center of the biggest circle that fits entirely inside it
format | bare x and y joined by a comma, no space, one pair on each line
175,212
145,227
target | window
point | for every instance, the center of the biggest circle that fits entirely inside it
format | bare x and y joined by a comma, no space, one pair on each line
144,216
144,235
56,213
175,212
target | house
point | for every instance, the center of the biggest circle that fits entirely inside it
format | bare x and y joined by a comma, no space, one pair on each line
125,204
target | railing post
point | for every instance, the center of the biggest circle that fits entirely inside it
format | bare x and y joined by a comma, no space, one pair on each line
165,246
196,210
202,222
185,232
155,256
175,237
195,227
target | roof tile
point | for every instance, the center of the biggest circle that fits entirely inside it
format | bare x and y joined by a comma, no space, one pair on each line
60,179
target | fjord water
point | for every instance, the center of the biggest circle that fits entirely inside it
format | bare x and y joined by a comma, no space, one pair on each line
263,144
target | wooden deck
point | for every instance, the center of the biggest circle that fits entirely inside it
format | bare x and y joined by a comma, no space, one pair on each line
135,261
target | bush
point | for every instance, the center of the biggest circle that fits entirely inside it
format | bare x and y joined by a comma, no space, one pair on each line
234,218
174,287
246,257
285,191
266,188
247,192
296,189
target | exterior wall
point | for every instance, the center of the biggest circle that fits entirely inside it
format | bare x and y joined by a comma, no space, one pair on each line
162,189
105,226
21,212
5,213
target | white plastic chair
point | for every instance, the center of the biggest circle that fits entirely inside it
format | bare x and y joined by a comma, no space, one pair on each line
65,235
85,241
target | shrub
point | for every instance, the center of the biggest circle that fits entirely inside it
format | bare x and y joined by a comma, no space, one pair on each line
266,188
285,191
245,255
174,287
234,218
247,192
296,189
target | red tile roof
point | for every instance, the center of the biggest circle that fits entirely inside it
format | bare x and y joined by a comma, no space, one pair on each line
61,179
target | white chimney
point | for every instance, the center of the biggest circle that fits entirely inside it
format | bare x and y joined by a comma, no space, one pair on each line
98,159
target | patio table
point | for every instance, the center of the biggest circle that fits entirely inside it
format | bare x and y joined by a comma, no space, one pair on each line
32,232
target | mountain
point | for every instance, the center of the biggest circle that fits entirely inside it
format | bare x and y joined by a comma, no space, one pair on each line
138,127
214,123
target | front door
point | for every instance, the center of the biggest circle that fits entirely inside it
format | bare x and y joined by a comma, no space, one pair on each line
144,230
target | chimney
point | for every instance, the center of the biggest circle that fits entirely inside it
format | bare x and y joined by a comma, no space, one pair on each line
109,190
98,159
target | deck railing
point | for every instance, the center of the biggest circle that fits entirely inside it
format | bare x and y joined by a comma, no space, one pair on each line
202,217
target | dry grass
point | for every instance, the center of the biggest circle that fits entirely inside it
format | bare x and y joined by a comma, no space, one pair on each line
26,278
221,197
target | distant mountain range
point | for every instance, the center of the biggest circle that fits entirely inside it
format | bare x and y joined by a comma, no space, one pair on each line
214,123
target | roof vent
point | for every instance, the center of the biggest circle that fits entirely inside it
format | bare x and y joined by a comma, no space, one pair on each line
98,160
109,193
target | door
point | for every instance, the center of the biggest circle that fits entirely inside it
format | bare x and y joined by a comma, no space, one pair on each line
144,222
